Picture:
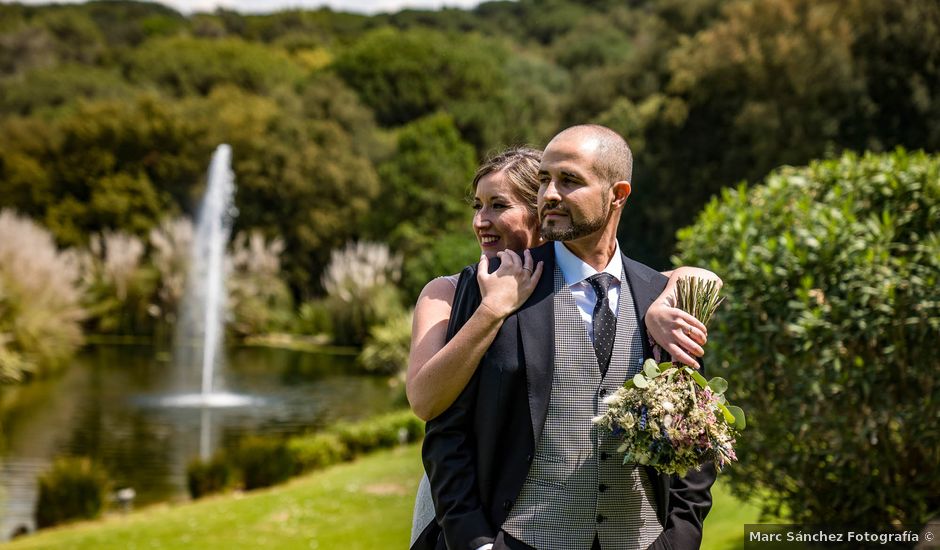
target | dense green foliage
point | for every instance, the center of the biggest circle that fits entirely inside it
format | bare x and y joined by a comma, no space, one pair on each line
829,331
708,92
350,127
75,488
208,477
386,349
263,462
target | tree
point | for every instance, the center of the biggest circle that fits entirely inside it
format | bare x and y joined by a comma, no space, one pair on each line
780,82
106,165
186,66
828,333
425,184
404,75
298,178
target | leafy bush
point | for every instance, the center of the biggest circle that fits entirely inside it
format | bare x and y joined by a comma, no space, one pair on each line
359,283
829,333
314,318
386,348
317,451
211,476
75,488
264,462
40,313
380,432
117,284
259,299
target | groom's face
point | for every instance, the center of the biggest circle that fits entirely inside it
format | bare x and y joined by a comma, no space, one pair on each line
573,201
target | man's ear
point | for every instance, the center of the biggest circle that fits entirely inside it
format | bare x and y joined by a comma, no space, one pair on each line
620,191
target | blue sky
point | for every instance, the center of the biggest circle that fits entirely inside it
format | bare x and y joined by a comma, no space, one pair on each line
263,6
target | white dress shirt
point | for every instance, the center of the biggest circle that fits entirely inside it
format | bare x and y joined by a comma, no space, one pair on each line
575,271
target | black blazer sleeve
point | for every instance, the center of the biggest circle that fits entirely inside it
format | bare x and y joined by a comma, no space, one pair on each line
449,451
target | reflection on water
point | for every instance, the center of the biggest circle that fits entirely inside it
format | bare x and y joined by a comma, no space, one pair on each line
107,405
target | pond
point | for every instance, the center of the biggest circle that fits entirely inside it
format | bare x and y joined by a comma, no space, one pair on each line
107,405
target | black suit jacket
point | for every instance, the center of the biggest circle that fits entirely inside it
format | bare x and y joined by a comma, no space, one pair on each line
477,453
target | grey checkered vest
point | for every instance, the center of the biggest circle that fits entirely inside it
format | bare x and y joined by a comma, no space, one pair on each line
576,485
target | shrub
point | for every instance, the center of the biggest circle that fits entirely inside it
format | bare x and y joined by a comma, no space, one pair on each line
75,488
316,451
829,334
117,285
379,432
259,299
40,313
212,476
314,318
359,282
386,349
264,462
171,252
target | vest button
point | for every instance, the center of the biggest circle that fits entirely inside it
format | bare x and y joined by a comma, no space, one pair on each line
601,488
602,393
600,518
603,456
507,504
528,458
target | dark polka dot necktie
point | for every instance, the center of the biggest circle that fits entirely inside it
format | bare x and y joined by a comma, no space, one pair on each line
605,324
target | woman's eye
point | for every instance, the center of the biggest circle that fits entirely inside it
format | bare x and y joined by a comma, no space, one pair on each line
477,206
497,206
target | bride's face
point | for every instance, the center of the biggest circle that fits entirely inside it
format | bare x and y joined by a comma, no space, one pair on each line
502,220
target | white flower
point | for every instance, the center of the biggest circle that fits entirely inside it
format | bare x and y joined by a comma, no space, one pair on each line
627,421
668,406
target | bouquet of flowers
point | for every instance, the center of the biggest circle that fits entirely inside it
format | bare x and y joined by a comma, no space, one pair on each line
668,416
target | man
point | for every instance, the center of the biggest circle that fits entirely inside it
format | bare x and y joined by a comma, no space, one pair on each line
516,462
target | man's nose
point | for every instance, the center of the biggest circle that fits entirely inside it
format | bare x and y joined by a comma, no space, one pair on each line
550,193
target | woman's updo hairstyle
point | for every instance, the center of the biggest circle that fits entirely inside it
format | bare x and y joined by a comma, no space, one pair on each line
520,165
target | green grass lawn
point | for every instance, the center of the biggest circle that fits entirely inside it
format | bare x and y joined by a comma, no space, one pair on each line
361,505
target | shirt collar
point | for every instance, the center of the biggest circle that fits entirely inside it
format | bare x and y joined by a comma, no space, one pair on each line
574,269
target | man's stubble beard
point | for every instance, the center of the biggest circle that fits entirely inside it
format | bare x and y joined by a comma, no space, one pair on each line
575,230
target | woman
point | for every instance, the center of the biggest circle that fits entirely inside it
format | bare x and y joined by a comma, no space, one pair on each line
506,221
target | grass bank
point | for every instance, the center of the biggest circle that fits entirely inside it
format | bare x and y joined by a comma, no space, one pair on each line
363,505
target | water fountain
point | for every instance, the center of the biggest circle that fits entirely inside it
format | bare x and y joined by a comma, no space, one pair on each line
201,328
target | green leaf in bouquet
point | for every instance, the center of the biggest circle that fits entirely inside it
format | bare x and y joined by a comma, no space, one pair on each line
729,418
718,385
650,368
649,363
722,399
697,376
739,421
629,384
663,367
640,381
